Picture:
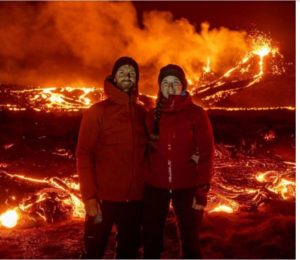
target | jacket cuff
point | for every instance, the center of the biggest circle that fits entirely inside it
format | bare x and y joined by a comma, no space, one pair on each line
204,187
88,198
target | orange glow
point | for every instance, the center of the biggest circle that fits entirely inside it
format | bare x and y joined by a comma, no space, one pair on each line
223,204
222,199
207,67
282,186
9,218
262,47
253,108
250,69
7,146
56,98
263,51
222,208
68,98
66,185
285,188
190,82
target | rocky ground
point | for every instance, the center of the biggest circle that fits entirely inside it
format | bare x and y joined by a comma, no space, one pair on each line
42,146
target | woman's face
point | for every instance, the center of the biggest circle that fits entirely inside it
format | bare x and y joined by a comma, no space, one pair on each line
170,85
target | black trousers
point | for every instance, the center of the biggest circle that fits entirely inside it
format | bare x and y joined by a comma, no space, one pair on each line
127,216
156,206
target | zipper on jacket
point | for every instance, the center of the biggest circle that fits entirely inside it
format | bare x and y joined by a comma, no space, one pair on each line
133,146
170,163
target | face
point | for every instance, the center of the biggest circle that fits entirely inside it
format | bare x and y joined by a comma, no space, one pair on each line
125,77
170,85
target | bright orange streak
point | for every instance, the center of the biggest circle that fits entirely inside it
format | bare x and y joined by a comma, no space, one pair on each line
26,178
207,68
222,208
252,108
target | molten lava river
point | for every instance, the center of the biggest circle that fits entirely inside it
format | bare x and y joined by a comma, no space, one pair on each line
251,201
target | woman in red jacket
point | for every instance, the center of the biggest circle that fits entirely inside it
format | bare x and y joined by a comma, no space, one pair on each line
180,159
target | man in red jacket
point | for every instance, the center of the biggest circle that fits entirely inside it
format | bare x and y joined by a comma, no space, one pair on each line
110,163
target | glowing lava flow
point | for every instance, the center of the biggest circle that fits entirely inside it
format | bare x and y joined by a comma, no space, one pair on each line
210,86
64,99
249,71
224,205
222,208
252,108
261,47
246,182
275,183
66,186
55,97
238,185
9,219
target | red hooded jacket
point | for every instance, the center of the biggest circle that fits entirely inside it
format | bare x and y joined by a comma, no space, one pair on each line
185,130
111,147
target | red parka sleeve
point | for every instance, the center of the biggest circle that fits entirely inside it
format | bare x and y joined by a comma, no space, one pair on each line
204,147
85,152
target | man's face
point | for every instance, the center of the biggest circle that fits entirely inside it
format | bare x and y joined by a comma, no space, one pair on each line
125,77
170,85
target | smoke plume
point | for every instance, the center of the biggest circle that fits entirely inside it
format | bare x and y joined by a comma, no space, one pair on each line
54,43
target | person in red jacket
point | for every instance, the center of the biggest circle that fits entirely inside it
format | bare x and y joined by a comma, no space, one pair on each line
110,162
180,156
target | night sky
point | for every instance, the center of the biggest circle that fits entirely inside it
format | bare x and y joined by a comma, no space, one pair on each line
274,18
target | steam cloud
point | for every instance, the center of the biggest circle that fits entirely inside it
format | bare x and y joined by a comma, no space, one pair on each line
53,43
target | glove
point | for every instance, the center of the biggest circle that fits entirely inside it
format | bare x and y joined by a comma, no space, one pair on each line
200,197
92,207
